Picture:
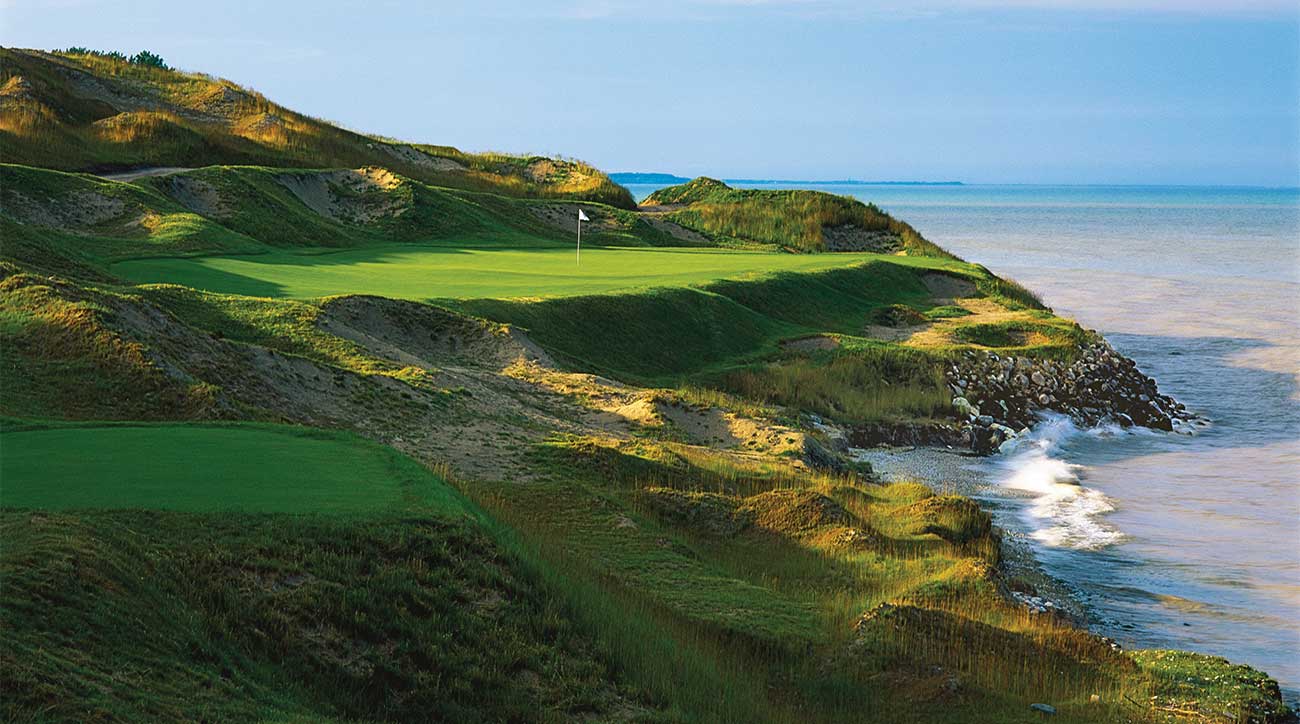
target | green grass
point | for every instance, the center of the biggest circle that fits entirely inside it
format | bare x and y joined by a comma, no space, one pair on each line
1052,336
667,336
469,268
207,468
1197,685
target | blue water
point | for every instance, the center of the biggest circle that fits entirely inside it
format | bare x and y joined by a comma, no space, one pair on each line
1172,541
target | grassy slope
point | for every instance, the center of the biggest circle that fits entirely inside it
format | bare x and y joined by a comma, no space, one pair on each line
78,225
258,614
90,113
702,626
167,616
790,218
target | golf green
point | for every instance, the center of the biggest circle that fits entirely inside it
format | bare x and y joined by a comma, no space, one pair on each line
250,468
438,272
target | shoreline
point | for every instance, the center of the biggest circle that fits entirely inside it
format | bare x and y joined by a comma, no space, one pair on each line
1024,578
956,471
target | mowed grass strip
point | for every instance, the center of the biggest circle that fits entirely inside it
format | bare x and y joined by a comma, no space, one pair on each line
213,468
444,272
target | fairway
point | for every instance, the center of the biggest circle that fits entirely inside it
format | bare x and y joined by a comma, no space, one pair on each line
204,468
429,272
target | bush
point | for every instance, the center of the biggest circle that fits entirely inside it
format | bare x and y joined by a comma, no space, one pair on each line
144,57
152,60
80,50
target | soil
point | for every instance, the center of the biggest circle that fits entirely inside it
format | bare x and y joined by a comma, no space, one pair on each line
854,238
76,212
943,286
810,344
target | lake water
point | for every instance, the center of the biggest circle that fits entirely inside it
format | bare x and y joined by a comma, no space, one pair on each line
1189,542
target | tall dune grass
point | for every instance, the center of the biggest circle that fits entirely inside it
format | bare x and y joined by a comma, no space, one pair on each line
861,385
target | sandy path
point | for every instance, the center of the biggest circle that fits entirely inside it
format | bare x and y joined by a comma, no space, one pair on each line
139,173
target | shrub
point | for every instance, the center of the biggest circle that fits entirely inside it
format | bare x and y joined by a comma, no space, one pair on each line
153,60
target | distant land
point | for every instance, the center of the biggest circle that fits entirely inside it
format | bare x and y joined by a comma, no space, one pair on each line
668,178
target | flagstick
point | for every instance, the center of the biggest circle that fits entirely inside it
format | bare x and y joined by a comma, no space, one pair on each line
579,241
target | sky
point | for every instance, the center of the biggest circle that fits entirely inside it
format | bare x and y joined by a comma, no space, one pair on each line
981,91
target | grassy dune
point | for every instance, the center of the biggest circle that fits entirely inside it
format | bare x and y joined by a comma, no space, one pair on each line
82,112
797,219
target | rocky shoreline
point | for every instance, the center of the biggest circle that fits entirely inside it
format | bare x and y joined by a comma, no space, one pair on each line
1001,396
998,397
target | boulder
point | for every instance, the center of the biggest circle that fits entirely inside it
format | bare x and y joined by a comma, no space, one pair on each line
965,408
819,458
984,440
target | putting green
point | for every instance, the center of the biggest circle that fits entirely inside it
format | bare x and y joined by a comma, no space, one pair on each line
435,272
203,468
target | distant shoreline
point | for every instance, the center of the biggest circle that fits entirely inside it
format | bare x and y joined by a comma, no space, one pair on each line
842,182
667,178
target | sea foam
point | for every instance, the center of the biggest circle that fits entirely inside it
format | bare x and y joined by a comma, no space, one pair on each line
1063,512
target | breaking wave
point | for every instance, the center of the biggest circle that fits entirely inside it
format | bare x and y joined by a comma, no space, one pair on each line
1063,512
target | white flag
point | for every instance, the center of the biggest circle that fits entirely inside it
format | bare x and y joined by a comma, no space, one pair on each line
582,216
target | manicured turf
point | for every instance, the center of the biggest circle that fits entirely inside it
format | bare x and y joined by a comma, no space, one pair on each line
202,468
434,272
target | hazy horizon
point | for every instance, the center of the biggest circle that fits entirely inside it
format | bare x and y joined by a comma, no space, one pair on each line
1155,92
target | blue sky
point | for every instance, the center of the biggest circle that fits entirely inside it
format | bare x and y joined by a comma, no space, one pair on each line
1001,91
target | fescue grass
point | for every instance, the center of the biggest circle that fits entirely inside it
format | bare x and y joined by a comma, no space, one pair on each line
1196,686
167,616
870,384
946,311
62,355
826,548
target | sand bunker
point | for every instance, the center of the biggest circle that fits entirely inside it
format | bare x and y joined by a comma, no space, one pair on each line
360,196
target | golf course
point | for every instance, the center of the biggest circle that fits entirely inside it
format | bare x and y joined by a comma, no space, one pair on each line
450,271
302,424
